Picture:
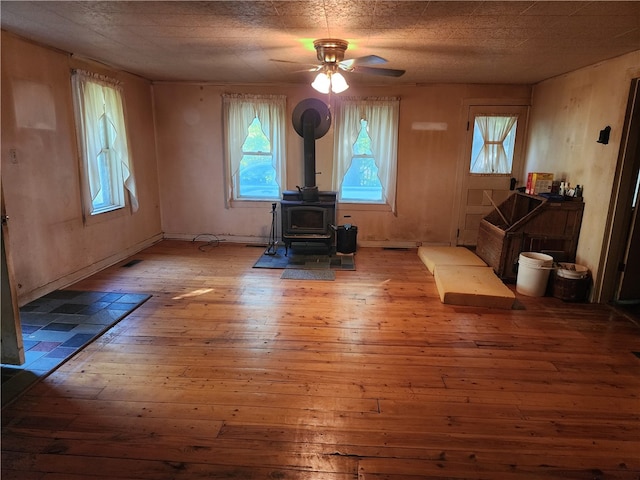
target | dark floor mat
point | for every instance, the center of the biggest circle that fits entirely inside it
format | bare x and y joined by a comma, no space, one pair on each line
304,259
317,274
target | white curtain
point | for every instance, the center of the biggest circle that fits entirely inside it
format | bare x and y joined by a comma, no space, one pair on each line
492,157
97,97
381,114
238,113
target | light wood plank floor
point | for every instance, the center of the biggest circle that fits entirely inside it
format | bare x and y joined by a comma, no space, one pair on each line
231,372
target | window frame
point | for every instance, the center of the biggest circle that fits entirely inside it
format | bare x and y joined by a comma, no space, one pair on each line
109,179
513,130
120,178
360,158
237,108
349,112
259,153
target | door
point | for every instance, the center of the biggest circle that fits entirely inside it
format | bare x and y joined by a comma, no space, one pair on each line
492,164
620,263
629,288
629,282
12,347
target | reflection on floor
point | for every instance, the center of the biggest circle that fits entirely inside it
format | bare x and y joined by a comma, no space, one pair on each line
57,326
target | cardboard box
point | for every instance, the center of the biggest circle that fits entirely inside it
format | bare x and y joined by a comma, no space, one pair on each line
539,182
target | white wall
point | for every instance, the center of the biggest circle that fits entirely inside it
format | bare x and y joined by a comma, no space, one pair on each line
567,115
190,158
50,244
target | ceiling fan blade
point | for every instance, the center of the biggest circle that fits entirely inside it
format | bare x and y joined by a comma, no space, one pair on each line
387,72
366,60
314,66
330,52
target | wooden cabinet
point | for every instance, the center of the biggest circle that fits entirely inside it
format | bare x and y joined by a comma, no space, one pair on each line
528,223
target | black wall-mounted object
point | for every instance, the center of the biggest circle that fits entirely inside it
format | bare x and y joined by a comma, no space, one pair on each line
604,135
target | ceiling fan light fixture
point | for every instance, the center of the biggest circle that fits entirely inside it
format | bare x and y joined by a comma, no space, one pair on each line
322,83
338,83
329,81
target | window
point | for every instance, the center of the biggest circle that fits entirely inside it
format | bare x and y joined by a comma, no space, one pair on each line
361,182
493,144
254,147
102,137
365,150
256,177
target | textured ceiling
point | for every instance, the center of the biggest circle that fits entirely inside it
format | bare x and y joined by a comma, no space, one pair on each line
234,41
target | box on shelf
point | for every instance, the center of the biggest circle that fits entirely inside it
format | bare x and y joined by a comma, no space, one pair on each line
538,182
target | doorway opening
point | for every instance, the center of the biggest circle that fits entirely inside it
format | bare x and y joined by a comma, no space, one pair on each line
620,261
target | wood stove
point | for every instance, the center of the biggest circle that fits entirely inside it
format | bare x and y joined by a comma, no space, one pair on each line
309,215
304,221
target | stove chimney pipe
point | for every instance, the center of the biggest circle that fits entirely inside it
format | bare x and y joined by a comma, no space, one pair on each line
311,120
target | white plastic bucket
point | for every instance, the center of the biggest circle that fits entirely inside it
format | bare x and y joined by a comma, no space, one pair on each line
533,273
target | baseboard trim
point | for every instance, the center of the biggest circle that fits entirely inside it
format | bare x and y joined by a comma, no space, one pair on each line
259,240
210,237
383,244
85,272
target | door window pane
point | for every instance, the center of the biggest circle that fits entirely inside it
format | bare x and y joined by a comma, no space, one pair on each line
494,139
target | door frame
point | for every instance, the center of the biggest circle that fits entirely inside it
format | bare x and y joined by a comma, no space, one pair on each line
606,287
11,328
464,152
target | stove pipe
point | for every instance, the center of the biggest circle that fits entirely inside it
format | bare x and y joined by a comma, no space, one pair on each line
311,120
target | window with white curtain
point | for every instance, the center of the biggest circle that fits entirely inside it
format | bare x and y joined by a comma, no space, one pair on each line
365,150
107,173
254,131
494,138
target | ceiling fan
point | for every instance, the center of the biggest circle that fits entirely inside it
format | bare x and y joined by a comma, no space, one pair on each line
330,52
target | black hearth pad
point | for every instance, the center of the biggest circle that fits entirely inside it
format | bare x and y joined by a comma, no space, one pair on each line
305,260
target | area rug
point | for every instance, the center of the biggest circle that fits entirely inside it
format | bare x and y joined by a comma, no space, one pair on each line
57,326
306,259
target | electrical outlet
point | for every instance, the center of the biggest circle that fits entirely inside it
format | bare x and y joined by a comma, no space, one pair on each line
13,155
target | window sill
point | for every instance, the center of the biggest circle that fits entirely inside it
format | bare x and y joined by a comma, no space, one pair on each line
105,216
354,206
252,203
365,207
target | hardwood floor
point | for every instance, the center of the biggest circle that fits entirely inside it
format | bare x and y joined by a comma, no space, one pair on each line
231,372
